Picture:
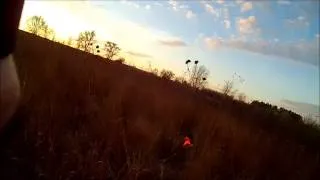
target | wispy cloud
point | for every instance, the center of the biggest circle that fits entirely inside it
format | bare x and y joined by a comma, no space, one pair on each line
209,8
247,25
298,22
173,43
227,24
137,54
283,2
213,42
173,4
130,3
220,1
305,52
158,4
246,6
190,14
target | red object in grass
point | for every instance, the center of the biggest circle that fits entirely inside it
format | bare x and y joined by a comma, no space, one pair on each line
187,142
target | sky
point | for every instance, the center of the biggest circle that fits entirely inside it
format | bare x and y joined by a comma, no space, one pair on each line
272,45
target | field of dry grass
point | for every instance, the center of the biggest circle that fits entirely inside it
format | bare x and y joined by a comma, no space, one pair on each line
82,117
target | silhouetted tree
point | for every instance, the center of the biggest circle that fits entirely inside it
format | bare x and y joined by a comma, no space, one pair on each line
85,40
36,25
111,49
227,88
197,75
166,74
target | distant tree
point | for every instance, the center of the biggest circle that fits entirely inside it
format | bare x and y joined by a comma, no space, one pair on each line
197,75
69,41
242,97
36,25
85,40
227,88
166,74
111,49
152,70
49,32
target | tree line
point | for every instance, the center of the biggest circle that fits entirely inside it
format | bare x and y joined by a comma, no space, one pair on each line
85,41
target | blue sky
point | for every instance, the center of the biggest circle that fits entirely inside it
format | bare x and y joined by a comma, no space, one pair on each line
273,45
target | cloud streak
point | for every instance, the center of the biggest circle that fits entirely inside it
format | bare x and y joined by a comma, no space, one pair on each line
247,6
137,54
283,2
304,51
173,43
210,9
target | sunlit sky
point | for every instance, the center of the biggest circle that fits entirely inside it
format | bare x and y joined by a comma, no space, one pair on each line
273,45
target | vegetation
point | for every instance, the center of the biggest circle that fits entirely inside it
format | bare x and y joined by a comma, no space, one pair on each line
197,75
166,74
38,26
228,88
82,117
85,40
111,49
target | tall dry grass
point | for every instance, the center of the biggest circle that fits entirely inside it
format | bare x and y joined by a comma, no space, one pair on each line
83,118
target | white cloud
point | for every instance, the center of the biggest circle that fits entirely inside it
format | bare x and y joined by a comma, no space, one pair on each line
220,1
172,42
158,4
284,2
138,54
147,7
246,6
209,8
302,51
190,14
247,25
299,22
173,4
227,24
213,42
184,6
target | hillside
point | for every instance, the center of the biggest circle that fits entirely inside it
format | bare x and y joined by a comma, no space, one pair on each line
84,117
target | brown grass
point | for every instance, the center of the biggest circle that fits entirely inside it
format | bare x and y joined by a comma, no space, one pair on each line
84,118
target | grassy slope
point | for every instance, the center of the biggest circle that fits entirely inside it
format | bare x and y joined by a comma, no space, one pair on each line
83,118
